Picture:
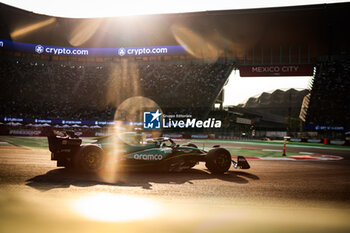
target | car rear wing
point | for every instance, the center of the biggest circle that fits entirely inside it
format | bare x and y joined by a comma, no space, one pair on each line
59,142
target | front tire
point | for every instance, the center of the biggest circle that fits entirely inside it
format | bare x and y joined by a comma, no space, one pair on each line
90,159
218,160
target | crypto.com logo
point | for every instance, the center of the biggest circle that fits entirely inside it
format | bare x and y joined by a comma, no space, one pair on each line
121,52
151,120
39,49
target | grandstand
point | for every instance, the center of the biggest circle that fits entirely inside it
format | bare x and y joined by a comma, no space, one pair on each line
53,90
328,108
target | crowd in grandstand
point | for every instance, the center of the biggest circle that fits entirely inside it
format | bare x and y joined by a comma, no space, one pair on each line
329,103
92,91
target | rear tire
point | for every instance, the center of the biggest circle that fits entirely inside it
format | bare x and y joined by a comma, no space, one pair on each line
218,160
90,159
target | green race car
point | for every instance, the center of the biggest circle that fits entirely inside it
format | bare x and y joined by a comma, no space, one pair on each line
132,152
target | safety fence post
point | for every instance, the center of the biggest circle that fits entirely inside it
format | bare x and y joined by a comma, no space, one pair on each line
284,147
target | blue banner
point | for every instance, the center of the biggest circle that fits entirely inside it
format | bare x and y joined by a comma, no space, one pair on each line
69,122
324,127
94,52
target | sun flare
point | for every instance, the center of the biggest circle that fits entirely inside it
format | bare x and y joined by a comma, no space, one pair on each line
107,207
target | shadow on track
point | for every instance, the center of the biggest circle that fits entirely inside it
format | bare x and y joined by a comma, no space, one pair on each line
64,178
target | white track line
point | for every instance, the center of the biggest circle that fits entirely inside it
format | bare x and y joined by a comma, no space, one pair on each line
4,144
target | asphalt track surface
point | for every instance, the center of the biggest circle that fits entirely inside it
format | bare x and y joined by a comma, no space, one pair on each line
273,196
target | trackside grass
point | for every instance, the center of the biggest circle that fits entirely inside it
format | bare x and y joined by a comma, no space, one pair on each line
275,143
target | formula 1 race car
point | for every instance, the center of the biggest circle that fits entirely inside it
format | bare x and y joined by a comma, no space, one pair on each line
161,154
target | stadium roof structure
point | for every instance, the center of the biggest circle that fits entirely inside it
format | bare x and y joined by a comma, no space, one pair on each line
254,36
